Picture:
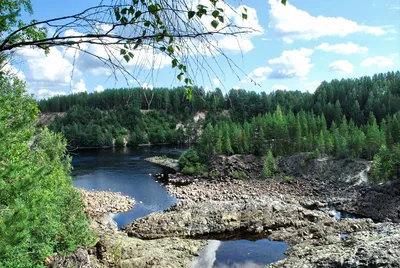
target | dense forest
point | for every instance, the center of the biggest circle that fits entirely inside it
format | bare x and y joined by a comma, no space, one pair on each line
355,98
356,118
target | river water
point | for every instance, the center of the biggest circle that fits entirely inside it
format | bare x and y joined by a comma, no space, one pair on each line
124,170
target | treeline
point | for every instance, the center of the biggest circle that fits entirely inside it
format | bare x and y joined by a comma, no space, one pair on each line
353,98
88,127
286,133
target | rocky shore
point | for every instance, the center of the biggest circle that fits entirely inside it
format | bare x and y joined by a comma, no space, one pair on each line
101,202
115,249
164,161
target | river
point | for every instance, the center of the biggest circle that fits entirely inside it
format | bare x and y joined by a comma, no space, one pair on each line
124,170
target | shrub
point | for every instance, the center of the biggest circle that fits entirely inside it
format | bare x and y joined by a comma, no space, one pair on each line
270,168
191,163
239,175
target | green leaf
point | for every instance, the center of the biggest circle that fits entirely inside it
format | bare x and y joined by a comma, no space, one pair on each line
174,63
189,93
283,2
130,54
127,58
191,14
244,16
245,9
215,13
138,14
123,51
147,23
117,14
124,11
214,23
221,19
180,76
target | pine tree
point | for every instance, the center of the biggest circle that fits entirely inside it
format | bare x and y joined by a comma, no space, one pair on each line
269,168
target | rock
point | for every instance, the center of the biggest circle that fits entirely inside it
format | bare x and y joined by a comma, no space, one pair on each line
378,247
99,202
118,250
164,161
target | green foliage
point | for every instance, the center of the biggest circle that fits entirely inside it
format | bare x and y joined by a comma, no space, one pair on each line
191,163
40,211
270,167
239,175
288,178
386,164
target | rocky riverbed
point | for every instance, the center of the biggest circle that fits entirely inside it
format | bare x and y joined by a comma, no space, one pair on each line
289,208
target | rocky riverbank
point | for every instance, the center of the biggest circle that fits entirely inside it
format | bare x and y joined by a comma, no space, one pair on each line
115,249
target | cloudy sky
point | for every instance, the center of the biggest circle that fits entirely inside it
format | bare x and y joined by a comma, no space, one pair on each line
295,48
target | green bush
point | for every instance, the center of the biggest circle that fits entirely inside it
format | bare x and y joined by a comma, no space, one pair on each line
239,175
119,141
191,163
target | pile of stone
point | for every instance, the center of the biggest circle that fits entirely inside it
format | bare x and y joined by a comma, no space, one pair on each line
100,202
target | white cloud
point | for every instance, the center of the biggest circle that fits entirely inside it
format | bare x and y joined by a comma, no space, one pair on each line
279,87
343,48
236,44
10,70
99,88
79,87
379,61
311,86
45,93
147,86
292,24
232,16
49,70
216,82
292,63
257,76
341,66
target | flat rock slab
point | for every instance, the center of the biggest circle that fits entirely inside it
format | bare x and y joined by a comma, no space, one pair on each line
260,215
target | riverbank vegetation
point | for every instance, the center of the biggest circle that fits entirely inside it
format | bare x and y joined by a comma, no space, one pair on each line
40,211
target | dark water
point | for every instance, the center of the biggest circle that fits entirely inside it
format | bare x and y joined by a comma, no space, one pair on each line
124,170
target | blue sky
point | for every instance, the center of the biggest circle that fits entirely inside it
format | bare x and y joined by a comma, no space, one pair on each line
296,47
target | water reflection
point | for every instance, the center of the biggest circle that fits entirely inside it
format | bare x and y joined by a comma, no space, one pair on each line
240,254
